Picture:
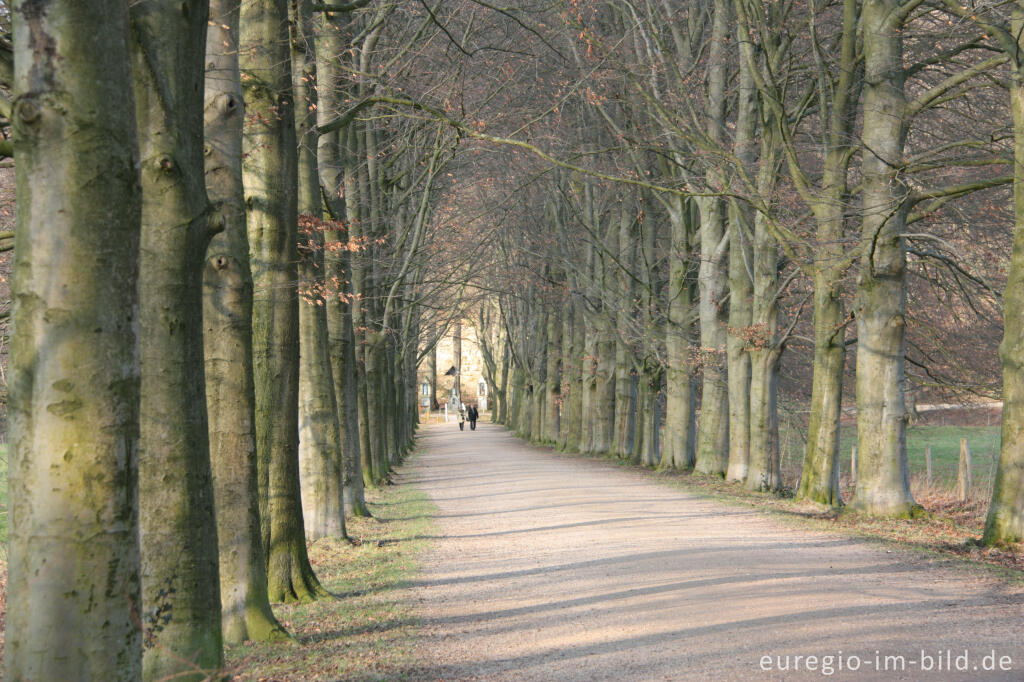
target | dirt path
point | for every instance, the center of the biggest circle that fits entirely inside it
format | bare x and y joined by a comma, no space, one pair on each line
548,567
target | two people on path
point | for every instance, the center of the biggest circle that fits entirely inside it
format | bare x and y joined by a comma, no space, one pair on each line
468,412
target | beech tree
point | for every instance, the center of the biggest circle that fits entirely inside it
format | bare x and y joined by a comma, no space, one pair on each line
180,579
320,460
73,562
332,34
270,175
1005,521
227,335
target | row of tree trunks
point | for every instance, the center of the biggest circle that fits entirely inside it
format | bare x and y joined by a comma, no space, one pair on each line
321,471
227,335
270,172
156,370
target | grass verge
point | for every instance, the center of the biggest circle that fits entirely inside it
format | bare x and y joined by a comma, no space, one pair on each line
367,632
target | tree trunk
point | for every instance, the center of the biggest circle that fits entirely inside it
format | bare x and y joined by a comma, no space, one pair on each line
713,436
819,481
329,48
604,391
737,355
227,336
177,528
883,480
270,176
321,472
73,561
649,417
764,472
518,408
1005,522
553,383
503,392
588,388
713,431
679,407
741,227
538,379
432,380
623,312
572,381
376,379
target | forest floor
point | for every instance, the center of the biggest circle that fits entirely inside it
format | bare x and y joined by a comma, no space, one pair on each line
547,566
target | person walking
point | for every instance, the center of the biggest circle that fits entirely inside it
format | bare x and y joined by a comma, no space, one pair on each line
473,415
462,416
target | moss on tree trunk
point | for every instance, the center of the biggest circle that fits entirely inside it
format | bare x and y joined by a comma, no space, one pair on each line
227,336
177,528
270,176
73,561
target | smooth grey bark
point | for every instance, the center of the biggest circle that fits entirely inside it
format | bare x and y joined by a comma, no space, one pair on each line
572,381
819,480
1005,521
329,48
270,177
622,311
73,557
741,228
538,379
764,470
227,340
501,415
679,405
713,433
356,189
588,386
603,403
883,478
553,380
321,470
177,528
432,380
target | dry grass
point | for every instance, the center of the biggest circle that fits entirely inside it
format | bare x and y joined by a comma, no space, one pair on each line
950,528
366,633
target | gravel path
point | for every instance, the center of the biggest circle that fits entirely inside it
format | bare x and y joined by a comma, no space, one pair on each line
548,567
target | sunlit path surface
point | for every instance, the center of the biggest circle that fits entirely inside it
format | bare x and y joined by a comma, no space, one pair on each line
548,567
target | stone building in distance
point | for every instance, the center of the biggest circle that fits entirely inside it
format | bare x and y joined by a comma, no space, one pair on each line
459,369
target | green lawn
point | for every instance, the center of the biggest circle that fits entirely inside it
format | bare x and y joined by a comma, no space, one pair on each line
983,442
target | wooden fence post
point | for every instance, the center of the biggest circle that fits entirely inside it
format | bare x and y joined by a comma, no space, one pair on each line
963,476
